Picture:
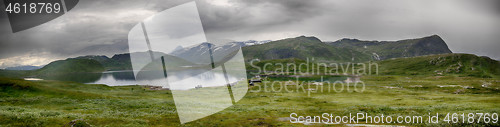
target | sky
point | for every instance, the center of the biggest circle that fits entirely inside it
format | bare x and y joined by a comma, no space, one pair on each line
101,27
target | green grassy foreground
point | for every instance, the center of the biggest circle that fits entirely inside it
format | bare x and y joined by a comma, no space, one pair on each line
57,103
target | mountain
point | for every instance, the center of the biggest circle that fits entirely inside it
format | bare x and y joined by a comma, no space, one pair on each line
196,54
248,43
71,65
381,50
201,55
23,68
252,42
123,61
443,64
118,46
344,50
117,62
302,48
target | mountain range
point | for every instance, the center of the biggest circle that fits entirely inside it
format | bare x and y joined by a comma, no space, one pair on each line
302,47
381,50
71,65
200,53
442,64
24,68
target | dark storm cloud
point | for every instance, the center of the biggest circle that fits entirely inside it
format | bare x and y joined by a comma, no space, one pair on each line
100,27
468,26
93,27
251,16
89,24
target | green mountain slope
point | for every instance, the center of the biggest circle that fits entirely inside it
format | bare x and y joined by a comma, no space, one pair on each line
123,61
70,70
394,49
117,62
61,69
302,48
444,64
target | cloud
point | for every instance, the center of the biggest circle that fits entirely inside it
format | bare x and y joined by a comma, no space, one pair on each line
38,59
91,28
467,26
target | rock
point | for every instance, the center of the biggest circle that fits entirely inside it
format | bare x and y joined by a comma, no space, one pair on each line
486,84
318,83
390,87
442,86
467,87
78,123
155,87
416,86
459,91
290,83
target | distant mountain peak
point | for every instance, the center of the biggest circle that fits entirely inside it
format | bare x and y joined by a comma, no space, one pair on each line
178,48
348,39
310,38
251,42
428,45
27,67
302,47
435,35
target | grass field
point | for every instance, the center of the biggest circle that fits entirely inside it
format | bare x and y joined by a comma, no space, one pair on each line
57,103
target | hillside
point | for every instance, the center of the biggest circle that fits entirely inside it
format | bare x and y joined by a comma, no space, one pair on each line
444,64
69,70
382,50
200,53
302,48
117,62
24,68
71,65
344,50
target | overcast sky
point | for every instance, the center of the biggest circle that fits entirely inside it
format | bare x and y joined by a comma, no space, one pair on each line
100,27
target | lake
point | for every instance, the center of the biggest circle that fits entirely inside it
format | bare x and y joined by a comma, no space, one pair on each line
178,81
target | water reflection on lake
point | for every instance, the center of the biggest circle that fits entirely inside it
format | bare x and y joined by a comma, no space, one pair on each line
186,80
115,78
75,77
179,80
